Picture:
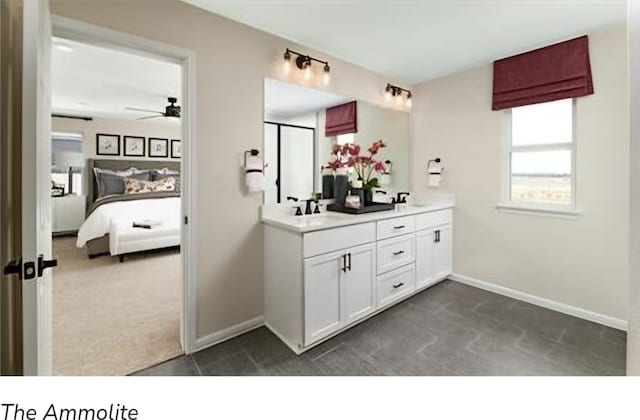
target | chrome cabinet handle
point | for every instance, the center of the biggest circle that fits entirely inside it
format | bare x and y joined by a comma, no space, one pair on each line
398,253
395,286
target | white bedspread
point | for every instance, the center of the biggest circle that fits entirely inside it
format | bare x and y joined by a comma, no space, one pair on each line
103,220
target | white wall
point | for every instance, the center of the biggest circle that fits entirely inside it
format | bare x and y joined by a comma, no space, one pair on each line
158,128
378,123
583,262
231,65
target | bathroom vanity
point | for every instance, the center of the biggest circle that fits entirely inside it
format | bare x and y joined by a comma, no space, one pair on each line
325,273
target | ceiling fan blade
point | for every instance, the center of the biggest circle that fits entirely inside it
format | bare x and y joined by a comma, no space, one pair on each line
144,110
151,117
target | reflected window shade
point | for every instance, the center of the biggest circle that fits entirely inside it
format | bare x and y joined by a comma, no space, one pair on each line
559,71
341,119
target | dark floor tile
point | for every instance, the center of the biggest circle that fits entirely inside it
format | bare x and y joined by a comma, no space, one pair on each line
614,336
366,339
239,364
216,353
535,344
415,367
467,363
181,366
345,361
291,366
535,319
324,347
449,329
262,345
427,301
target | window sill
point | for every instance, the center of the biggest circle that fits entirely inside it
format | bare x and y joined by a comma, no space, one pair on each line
560,213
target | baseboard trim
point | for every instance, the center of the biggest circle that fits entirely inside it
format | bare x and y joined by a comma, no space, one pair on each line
607,320
228,333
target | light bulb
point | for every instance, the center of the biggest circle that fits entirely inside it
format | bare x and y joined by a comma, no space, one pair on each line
399,98
409,100
307,72
387,96
287,63
326,78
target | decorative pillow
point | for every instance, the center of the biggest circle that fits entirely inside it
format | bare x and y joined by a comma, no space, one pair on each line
158,175
135,186
110,182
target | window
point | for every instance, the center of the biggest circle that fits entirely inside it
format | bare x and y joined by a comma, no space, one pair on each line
343,139
540,157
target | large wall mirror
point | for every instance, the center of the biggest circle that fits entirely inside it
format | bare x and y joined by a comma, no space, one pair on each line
296,146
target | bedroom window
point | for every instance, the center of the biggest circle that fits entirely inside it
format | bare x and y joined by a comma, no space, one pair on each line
539,158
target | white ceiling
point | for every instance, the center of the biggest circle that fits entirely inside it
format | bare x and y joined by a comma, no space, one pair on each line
98,82
284,100
418,40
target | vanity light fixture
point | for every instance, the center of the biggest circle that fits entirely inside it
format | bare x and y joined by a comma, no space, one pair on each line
392,91
303,62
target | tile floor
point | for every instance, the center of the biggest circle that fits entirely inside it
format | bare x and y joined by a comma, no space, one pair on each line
449,329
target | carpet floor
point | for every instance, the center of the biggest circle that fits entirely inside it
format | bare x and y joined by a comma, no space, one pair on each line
112,318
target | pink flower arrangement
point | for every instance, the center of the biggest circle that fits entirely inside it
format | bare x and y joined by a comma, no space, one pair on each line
365,166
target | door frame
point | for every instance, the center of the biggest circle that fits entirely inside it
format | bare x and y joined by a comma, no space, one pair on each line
96,35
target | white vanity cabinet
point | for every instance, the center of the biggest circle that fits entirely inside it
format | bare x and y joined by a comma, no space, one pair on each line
433,255
339,288
323,276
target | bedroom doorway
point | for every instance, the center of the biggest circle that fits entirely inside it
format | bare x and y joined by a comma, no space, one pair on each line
120,201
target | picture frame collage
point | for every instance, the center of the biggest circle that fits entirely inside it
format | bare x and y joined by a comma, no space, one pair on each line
137,146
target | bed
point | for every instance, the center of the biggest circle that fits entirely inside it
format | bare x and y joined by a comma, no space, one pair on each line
108,228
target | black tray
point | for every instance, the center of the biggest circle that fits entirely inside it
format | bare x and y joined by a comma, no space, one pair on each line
366,209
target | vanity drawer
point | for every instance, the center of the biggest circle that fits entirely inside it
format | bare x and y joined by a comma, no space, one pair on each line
396,285
395,252
330,240
436,218
395,227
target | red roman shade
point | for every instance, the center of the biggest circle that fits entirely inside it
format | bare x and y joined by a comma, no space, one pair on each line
342,119
559,71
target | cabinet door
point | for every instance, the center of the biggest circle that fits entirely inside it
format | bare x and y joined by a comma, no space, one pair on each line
443,252
322,295
425,250
358,283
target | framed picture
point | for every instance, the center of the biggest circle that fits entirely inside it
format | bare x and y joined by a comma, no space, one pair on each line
107,145
158,147
176,149
134,146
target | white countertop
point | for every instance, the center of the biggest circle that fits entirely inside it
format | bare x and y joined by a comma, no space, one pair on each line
279,216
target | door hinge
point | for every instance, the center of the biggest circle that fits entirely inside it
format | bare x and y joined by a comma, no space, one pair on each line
186,220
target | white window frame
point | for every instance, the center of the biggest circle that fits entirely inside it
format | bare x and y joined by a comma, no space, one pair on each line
506,205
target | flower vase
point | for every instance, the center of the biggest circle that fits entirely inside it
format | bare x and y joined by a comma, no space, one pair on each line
340,187
368,197
328,181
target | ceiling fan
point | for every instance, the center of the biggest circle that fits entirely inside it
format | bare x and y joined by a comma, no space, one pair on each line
171,110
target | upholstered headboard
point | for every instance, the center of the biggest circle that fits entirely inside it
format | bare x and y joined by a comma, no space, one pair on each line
120,165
